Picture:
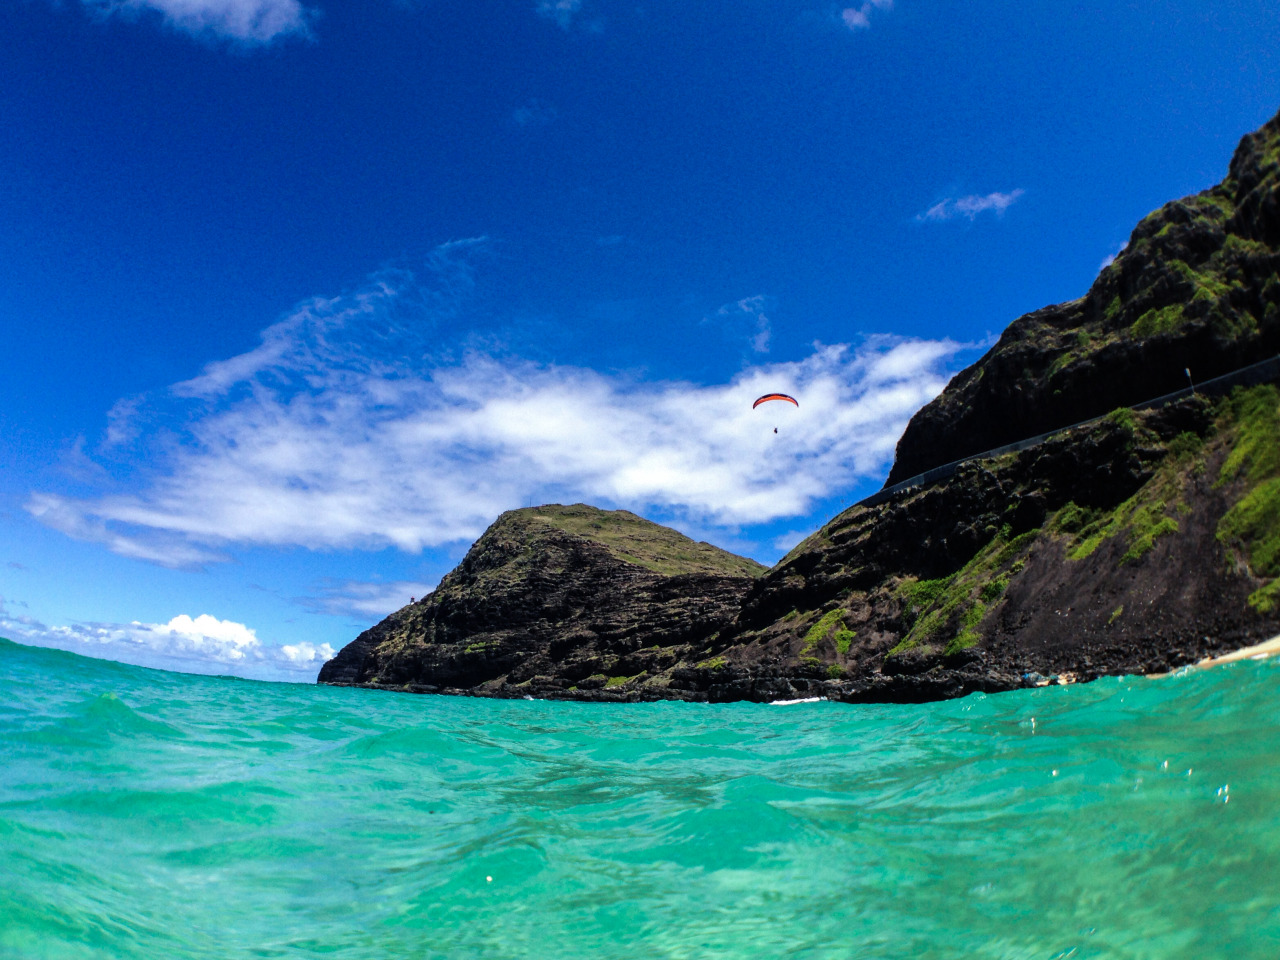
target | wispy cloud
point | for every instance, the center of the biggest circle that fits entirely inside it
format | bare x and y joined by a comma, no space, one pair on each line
364,600
972,205
561,11
535,113
202,644
1110,258
325,436
746,318
788,541
859,18
248,22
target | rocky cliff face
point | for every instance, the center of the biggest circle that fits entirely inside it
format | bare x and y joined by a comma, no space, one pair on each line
1195,288
555,601
1135,543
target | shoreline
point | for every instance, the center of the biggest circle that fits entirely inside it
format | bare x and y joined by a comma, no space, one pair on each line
1259,651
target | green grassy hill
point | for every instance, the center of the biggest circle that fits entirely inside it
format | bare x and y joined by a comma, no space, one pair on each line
642,542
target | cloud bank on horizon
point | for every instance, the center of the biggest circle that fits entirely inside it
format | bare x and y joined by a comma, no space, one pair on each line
202,644
345,429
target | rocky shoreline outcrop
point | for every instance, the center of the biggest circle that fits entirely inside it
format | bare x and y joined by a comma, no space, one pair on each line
1138,542
555,601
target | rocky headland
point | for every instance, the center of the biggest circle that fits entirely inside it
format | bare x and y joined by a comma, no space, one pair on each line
556,601
1135,542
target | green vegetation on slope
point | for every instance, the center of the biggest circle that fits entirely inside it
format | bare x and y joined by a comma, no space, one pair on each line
1255,522
1165,320
829,626
1252,525
1144,517
1248,425
1212,281
1252,413
646,544
952,607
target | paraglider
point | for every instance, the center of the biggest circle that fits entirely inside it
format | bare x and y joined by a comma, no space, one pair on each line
775,396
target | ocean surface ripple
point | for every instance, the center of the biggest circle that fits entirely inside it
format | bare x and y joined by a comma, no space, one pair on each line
156,815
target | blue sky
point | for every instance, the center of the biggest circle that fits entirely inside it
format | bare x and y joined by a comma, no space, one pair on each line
300,295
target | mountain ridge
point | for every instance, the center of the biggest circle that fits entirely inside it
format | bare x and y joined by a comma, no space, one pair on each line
1195,288
552,600
1136,541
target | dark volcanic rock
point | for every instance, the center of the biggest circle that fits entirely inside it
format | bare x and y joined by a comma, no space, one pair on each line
556,601
1195,288
1134,543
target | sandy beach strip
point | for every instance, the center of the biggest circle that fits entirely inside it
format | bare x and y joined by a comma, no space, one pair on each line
1259,651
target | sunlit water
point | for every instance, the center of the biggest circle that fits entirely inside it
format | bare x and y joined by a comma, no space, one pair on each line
155,815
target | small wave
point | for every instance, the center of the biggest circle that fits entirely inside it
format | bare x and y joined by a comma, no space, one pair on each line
787,703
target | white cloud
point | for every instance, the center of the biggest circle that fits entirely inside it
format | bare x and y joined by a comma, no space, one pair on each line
561,11
855,18
205,636
248,22
325,436
202,644
307,654
972,205
859,18
169,551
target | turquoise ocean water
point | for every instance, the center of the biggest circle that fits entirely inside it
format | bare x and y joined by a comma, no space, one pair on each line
156,815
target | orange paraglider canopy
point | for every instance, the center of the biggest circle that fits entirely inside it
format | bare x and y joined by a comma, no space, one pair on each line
774,396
